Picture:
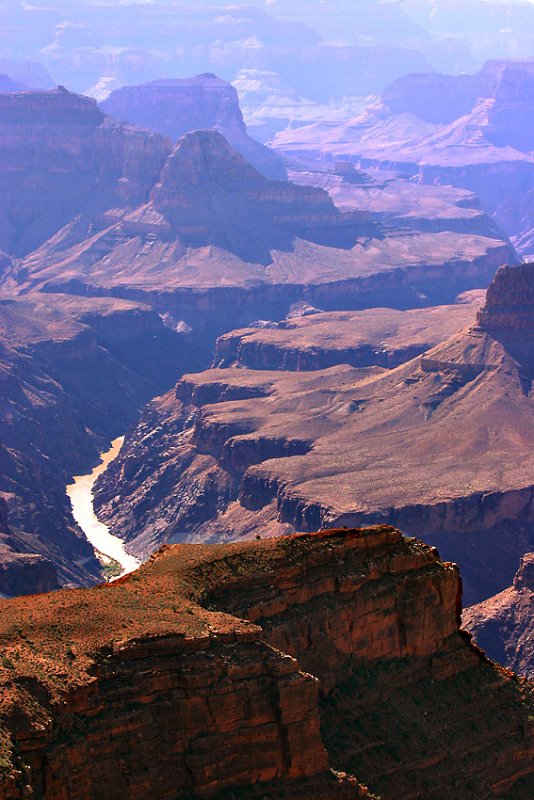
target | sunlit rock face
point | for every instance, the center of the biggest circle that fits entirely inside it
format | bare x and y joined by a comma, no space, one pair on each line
256,668
441,445
503,625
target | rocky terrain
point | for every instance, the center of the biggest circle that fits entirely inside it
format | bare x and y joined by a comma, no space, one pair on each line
503,625
440,446
176,107
312,339
118,212
472,131
252,670
174,230
61,157
74,373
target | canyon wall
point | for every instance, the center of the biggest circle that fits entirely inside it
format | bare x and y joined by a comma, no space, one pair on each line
228,669
61,156
74,373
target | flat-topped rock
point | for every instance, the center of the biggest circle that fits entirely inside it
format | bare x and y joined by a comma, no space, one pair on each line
182,105
257,668
60,156
381,337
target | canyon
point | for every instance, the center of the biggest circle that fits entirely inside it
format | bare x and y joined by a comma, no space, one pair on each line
470,131
74,373
440,446
249,670
117,243
295,347
172,229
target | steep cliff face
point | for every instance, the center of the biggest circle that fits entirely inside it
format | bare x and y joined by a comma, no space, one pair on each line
73,374
228,669
504,624
440,446
22,573
61,156
208,193
177,107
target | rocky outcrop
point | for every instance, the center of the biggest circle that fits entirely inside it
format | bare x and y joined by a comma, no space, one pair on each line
439,446
503,624
218,245
74,373
208,192
180,106
374,337
236,665
22,573
61,156
509,306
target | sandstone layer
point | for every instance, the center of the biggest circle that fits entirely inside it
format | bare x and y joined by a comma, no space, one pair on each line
441,446
504,624
228,668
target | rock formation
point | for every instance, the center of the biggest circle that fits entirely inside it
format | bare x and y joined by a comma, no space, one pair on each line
440,446
380,337
229,669
74,372
205,102
219,245
504,624
473,131
59,157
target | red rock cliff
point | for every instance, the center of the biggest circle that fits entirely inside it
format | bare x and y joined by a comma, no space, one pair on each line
220,669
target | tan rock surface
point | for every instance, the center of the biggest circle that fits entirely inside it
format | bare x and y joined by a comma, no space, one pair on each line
441,445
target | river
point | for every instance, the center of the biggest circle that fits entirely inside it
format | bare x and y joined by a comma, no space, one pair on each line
81,498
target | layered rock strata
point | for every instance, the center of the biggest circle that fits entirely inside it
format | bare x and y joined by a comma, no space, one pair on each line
199,233
441,446
205,102
60,156
473,131
380,337
225,669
